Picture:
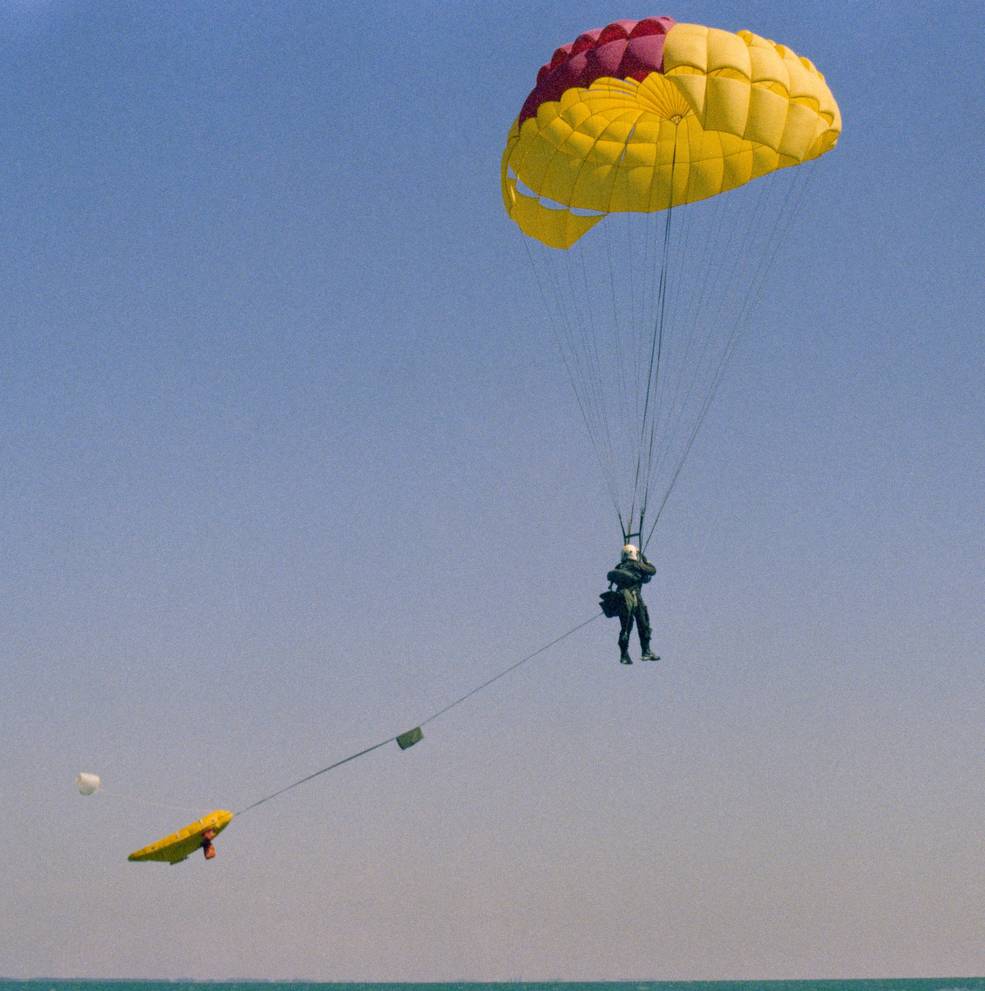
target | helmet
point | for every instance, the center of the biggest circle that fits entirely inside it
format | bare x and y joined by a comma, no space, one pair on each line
630,552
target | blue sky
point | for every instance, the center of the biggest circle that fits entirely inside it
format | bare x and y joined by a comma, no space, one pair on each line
289,463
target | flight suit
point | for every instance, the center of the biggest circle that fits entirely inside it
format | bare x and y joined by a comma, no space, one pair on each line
629,577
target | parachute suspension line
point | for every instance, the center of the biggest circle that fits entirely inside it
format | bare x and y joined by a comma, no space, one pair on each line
702,343
605,448
731,283
575,327
619,360
584,363
682,270
739,274
684,386
656,274
641,318
596,346
557,324
656,353
594,379
795,194
621,321
643,386
423,722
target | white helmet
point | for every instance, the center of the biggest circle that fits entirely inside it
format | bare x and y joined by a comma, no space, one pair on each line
630,552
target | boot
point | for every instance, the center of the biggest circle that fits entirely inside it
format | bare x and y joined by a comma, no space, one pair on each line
648,654
624,657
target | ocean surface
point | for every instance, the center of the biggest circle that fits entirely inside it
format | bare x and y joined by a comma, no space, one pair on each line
894,984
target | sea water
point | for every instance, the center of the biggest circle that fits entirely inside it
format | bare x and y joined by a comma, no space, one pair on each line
893,984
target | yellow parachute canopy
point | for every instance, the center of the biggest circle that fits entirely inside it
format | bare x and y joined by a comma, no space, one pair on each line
180,845
725,109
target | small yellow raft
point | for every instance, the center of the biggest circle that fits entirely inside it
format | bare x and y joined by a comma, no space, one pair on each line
180,845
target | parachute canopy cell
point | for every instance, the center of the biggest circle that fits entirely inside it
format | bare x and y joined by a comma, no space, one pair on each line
87,783
641,116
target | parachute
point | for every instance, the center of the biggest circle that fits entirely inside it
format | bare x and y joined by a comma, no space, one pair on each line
178,846
88,784
626,168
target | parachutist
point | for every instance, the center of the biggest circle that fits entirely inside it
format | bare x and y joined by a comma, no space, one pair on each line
629,576
208,848
624,123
